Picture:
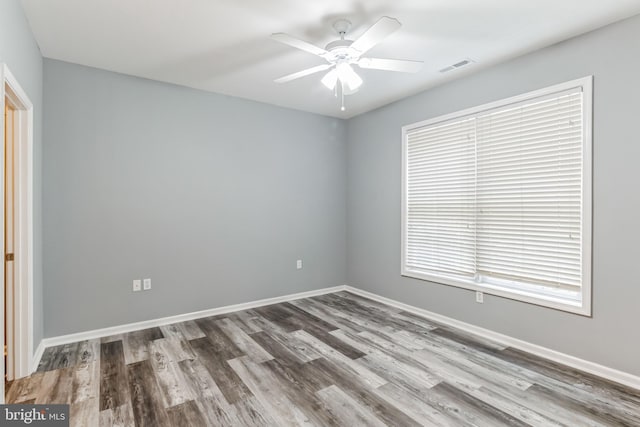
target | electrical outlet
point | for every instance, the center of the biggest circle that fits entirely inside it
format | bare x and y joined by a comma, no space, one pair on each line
479,297
299,264
137,285
146,284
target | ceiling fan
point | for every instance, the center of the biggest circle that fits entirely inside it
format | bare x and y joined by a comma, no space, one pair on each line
342,54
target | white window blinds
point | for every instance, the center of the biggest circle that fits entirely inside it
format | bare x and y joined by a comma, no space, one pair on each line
529,191
495,197
441,198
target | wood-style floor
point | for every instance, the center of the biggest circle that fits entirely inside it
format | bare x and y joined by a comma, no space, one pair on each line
332,360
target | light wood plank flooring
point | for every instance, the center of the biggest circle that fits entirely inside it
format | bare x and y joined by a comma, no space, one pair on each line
332,360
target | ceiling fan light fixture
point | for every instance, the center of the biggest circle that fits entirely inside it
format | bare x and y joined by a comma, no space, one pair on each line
330,79
348,76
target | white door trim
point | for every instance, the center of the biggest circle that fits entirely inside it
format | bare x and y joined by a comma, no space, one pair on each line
23,295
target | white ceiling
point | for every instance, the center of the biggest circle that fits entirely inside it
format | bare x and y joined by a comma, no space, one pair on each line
223,46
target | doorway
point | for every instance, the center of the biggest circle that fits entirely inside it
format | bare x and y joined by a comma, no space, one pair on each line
16,188
9,233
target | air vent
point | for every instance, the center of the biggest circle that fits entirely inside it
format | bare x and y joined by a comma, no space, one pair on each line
457,65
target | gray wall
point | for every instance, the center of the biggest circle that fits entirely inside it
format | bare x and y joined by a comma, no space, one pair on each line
18,49
374,173
212,197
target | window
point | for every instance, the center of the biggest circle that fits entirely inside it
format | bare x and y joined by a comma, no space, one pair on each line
498,198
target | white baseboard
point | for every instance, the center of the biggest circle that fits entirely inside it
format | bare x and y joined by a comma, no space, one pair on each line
129,327
556,356
35,359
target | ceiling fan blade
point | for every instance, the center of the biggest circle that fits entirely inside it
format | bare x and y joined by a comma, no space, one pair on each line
400,65
298,44
376,33
303,73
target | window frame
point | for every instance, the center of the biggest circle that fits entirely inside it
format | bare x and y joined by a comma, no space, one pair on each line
524,293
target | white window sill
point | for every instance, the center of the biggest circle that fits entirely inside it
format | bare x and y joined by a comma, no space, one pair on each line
563,300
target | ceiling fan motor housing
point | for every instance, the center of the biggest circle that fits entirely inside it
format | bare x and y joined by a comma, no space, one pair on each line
341,51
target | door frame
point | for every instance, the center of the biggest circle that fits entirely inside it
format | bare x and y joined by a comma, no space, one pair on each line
11,90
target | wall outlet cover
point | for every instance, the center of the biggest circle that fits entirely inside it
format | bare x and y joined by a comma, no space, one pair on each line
146,284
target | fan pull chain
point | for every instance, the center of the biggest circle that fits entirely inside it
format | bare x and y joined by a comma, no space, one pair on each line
342,108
